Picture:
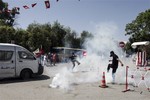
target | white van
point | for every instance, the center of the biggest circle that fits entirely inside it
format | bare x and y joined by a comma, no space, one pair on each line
16,61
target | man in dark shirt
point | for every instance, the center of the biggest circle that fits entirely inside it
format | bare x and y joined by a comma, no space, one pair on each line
114,64
73,59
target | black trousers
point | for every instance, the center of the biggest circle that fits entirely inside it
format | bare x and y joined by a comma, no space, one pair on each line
114,68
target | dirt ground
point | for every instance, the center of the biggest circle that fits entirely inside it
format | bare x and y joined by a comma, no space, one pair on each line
38,88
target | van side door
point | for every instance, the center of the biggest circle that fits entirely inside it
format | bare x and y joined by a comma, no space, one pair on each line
7,62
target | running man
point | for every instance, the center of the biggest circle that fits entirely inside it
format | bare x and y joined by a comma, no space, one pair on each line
73,59
114,64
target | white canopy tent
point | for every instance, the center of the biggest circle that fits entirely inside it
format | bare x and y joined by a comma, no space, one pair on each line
139,43
141,55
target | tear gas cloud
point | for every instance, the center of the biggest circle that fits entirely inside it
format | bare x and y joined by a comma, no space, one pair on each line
96,62
98,50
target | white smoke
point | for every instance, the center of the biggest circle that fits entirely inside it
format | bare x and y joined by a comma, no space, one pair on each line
96,62
63,79
99,49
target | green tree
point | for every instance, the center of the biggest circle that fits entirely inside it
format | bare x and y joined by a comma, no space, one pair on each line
21,37
139,29
71,39
58,33
84,36
6,34
40,36
75,40
7,16
48,36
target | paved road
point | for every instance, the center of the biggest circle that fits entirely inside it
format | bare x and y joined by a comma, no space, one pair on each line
38,89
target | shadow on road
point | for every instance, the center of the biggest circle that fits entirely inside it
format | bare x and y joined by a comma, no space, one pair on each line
17,80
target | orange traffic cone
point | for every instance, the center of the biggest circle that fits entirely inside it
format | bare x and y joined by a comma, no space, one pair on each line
103,82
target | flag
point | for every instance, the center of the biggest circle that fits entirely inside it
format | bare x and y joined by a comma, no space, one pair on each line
47,4
8,11
33,5
26,7
38,52
84,53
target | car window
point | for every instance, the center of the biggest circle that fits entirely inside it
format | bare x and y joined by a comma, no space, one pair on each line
5,55
25,55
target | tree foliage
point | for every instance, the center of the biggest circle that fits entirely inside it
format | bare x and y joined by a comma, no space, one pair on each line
37,35
139,29
21,37
6,34
54,35
7,16
84,36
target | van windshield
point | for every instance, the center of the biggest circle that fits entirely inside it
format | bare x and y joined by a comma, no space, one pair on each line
26,55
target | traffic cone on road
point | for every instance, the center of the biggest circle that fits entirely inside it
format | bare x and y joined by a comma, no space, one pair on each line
103,82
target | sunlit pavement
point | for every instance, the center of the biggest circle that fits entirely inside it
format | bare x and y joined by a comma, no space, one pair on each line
38,88
92,91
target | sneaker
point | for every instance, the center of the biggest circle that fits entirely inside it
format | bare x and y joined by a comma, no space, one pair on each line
113,82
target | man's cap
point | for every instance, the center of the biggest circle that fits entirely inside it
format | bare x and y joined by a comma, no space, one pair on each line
111,53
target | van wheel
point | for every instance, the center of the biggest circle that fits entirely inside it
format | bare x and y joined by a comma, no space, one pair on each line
25,74
40,70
